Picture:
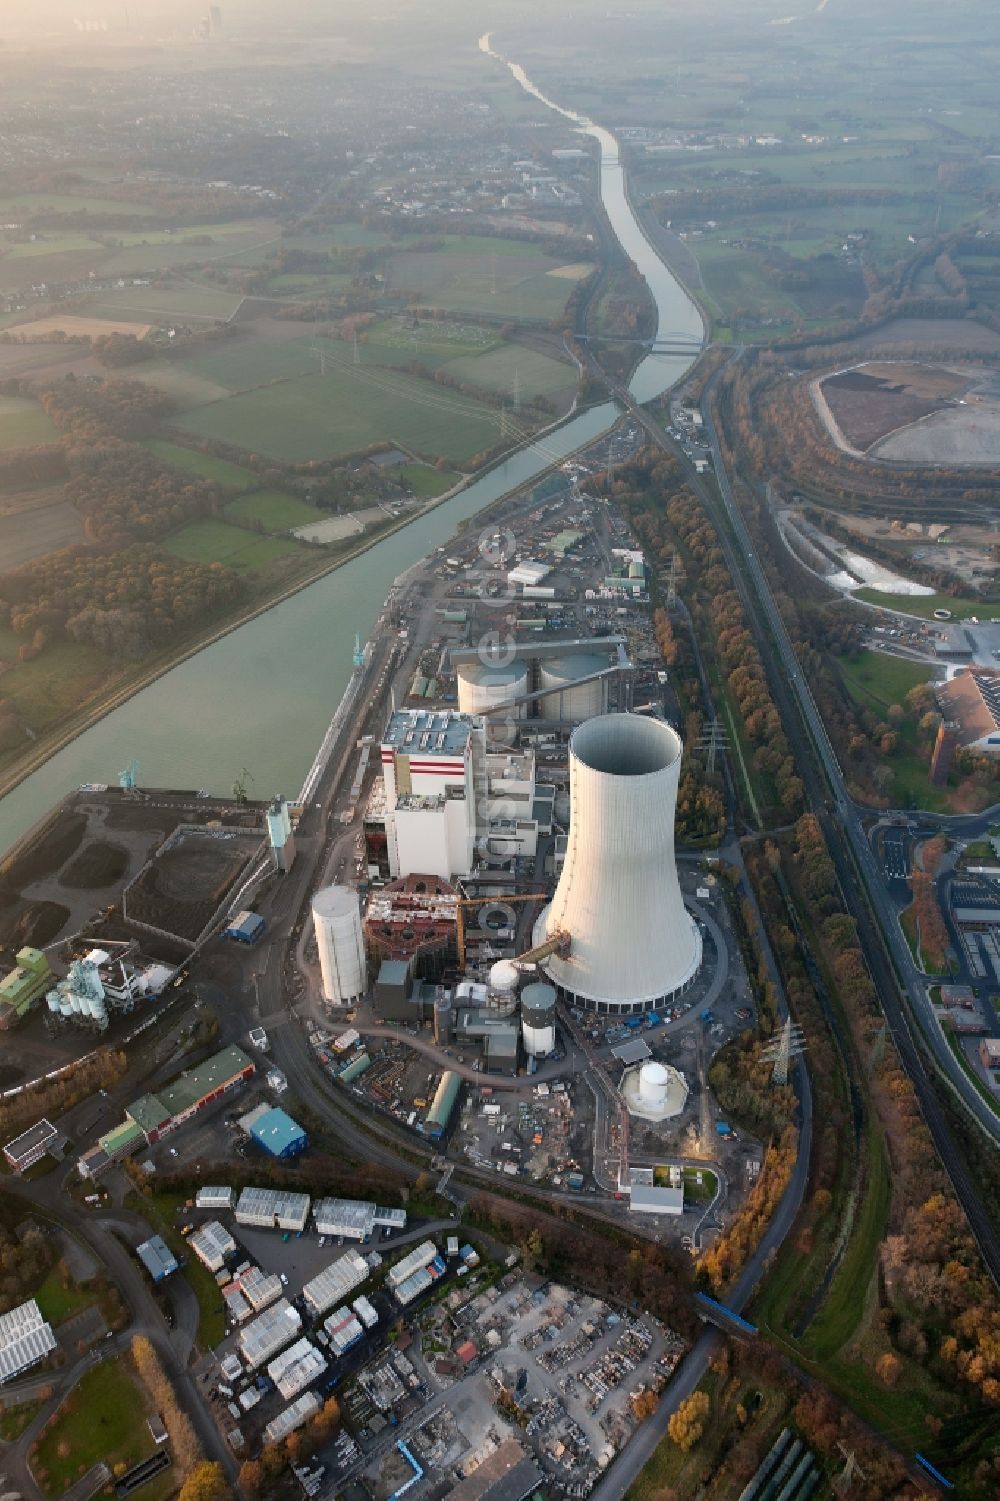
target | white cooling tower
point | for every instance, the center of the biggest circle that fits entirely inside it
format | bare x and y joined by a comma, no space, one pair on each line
339,939
632,943
483,686
572,698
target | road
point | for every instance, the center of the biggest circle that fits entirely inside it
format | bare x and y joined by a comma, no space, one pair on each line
885,949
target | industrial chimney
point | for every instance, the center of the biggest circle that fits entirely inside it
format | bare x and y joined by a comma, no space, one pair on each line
632,943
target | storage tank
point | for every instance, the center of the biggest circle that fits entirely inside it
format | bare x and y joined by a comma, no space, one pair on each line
504,979
337,920
538,1019
632,942
574,700
53,1002
483,686
653,1079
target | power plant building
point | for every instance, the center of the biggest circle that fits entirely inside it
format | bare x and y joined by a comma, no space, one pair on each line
340,942
485,686
573,697
23,986
626,942
413,920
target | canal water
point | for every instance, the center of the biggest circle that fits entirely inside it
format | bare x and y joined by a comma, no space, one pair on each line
262,697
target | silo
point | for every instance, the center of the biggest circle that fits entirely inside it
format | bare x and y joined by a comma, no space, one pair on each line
504,979
573,700
337,920
538,1019
483,686
52,1000
632,943
652,1091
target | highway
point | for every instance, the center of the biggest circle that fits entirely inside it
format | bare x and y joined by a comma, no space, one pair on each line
884,946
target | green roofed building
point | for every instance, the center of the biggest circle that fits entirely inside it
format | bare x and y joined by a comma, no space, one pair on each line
193,1091
23,986
123,1140
563,542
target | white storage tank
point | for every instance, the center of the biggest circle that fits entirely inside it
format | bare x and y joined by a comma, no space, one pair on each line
538,1019
339,939
504,979
653,1081
573,700
483,686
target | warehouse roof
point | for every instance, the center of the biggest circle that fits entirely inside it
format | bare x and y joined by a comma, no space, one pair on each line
41,1134
505,1475
205,1078
275,1327
339,1278
148,1112
25,1338
632,1051
277,1131
645,1200
157,1257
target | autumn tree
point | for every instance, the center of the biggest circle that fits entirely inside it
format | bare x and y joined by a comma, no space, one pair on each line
687,1424
206,1482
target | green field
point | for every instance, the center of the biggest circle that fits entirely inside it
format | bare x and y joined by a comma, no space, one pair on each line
57,1302
67,203
227,476
104,1417
275,511
14,1420
53,244
501,369
924,605
424,480
319,417
57,681
23,424
163,306
876,680
477,274
216,542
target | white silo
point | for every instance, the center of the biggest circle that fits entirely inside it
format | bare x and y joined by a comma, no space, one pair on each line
571,698
632,943
486,685
339,939
538,1019
504,980
653,1080
654,1091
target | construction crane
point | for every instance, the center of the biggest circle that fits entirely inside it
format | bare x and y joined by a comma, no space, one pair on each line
240,786
492,901
129,778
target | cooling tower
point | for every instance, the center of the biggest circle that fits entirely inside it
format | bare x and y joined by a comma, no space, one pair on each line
337,920
632,943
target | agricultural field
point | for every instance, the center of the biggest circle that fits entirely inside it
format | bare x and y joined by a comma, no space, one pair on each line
479,274
501,369
44,690
161,307
41,523
217,542
227,476
275,512
23,424
38,205
320,416
72,324
875,680
425,480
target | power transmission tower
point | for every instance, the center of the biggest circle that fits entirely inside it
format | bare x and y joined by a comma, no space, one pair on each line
712,740
844,1482
790,1044
676,573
